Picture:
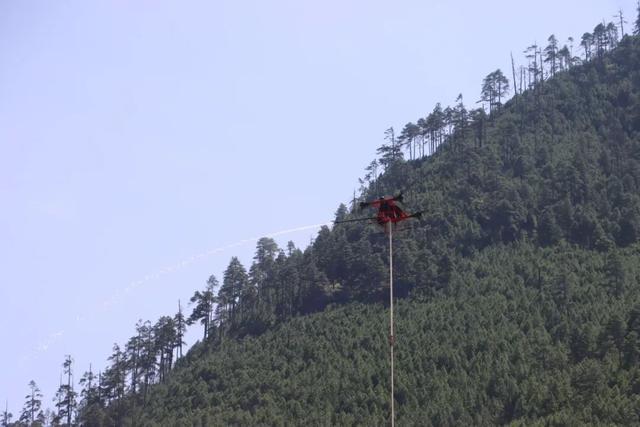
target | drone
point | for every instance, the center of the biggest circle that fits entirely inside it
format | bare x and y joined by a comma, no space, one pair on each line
388,211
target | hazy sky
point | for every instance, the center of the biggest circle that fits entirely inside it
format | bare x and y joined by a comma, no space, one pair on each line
137,134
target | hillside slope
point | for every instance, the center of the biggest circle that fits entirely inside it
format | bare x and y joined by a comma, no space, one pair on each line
526,334
521,301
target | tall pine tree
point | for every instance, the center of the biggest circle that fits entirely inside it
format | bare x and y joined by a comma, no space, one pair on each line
66,396
32,410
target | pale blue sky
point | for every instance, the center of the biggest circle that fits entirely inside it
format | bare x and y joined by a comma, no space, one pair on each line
135,134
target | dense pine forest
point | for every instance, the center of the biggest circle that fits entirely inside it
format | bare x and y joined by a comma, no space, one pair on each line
518,289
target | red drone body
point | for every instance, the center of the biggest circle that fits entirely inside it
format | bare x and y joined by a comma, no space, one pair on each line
388,211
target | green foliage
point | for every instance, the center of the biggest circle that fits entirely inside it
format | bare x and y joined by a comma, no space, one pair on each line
494,87
32,414
498,346
204,306
65,396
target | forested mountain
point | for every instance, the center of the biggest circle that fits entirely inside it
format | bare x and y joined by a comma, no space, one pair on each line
519,288
522,334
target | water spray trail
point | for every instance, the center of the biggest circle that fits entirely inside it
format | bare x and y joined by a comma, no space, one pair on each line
198,257
52,338
43,345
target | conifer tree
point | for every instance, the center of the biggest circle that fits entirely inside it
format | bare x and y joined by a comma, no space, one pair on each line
436,126
423,133
234,284
551,53
408,138
203,310
133,348
371,177
89,394
478,118
32,410
391,151
531,53
495,86
114,378
181,327
165,335
91,405
6,415
66,396
600,39
262,268
564,58
460,116
147,356
586,42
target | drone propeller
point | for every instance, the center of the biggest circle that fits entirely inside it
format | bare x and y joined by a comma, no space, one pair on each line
398,198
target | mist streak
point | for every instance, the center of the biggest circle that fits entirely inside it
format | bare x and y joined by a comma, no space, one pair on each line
198,257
